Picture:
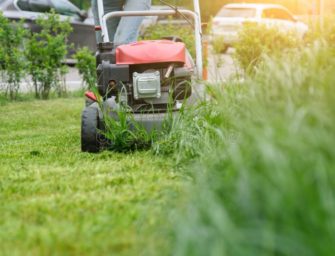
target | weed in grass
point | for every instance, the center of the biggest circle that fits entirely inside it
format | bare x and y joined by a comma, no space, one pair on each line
187,131
124,133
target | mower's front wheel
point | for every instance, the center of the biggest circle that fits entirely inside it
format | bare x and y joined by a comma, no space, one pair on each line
90,141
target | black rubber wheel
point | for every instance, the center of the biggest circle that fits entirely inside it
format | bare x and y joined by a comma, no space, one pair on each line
90,141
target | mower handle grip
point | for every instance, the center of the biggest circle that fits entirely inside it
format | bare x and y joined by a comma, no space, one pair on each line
197,28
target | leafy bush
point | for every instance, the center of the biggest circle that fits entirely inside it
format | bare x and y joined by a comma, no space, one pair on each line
12,61
267,186
316,31
331,38
218,45
46,52
86,66
256,41
329,31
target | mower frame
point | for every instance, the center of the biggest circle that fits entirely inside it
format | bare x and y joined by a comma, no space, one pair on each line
195,15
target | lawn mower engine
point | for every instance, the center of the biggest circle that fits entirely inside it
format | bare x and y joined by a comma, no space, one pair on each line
146,76
149,78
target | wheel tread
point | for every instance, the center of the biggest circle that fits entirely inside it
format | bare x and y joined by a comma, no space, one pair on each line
90,130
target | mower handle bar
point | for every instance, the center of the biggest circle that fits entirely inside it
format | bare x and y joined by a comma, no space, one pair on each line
197,28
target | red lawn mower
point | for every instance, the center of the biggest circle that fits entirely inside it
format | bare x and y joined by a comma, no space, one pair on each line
151,78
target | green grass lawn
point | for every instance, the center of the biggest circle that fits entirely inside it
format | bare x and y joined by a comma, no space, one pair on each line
250,172
56,200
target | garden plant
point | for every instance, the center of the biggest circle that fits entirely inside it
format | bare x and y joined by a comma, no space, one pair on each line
12,57
46,54
87,67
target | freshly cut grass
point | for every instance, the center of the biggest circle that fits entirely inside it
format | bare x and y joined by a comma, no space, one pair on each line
56,200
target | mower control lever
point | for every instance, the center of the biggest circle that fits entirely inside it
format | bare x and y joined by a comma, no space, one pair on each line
170,68
169,71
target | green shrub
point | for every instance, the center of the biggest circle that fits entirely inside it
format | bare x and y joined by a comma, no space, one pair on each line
329,31
218,45
267,186
46,53
12,61
256,41
317,31
86,66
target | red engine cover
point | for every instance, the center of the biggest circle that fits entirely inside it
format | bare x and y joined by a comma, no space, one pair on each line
146,52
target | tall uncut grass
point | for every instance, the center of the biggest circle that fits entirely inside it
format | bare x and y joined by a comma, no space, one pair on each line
185,133
267,184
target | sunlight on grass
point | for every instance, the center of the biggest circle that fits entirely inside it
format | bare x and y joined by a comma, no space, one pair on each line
55,199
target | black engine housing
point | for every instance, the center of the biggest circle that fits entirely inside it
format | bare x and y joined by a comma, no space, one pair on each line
112,78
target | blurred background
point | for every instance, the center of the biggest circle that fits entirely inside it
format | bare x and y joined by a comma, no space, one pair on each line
210,8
